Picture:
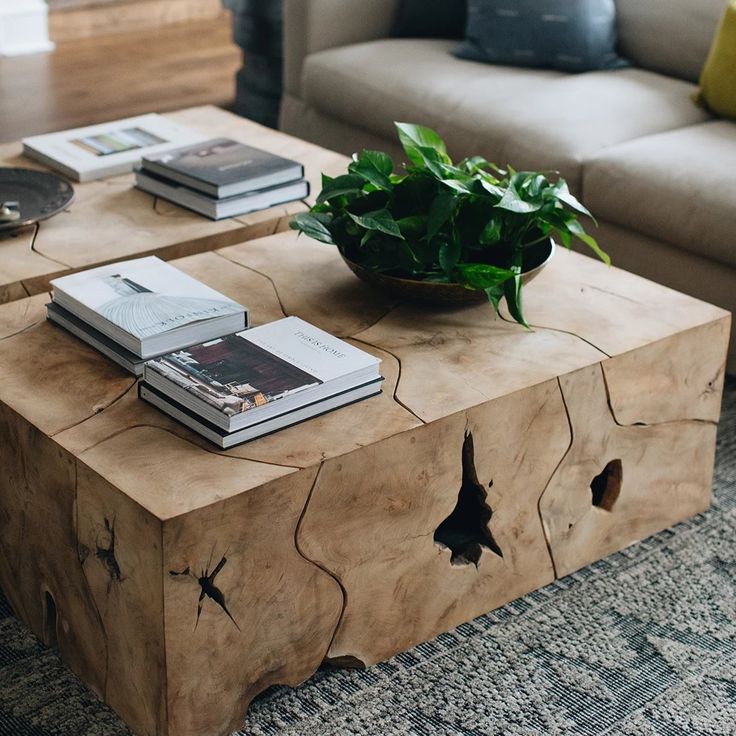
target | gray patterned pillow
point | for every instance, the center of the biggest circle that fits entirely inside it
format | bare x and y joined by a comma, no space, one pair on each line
571,35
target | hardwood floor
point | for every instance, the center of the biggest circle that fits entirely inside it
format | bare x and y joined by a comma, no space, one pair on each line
91,80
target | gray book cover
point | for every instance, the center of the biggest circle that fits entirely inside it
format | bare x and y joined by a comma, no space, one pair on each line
223,167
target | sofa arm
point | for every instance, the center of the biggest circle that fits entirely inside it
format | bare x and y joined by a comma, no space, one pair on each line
315,25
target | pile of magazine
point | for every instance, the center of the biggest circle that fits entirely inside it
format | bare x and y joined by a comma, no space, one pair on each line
222,178
199,361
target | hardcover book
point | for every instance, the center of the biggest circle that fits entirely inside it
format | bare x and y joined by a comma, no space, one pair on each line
222,167
246,378
95,339
216,209
147,306
224,439
107,149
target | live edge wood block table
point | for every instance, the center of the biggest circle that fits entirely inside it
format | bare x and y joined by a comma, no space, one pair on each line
109,220
179,581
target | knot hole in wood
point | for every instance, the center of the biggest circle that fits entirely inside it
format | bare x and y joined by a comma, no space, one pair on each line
465,531
606,487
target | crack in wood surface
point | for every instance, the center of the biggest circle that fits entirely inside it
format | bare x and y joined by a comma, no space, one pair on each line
90,592
611,293
566,454
392,309
24,329
562,331
114,401
106,554
208,589
258,273
288,314
35,249
398,377
23,286
609,401
145,425
328,572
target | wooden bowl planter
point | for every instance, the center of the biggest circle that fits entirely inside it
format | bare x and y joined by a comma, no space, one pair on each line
432,292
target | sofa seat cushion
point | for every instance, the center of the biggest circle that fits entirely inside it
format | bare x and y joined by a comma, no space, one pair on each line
568,121
678,187
370,85
530,118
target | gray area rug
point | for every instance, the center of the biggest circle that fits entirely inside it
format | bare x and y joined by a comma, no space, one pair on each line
640,644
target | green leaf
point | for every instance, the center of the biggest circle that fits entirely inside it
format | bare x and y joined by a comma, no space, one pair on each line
415,138
381,220
339,187
413,227
312,227
490,185
563,194
494,294
479,165
440,211
449,255
375,167
512,290
491,232
513,202
577,230
458,186
564,237
483,276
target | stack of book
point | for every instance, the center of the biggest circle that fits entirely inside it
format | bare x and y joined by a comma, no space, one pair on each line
139,309
200,363
258,381
222,178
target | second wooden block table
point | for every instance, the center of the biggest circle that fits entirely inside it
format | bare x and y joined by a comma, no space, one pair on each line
110,220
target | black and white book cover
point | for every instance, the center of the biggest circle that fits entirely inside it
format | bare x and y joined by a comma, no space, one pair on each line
222,167
146,304
265,371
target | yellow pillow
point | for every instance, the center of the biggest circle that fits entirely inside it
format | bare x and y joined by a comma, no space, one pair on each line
718,78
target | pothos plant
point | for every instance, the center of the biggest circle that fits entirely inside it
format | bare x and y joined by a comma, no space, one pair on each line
468,223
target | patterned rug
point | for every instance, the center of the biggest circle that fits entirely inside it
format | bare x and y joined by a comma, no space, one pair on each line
640,644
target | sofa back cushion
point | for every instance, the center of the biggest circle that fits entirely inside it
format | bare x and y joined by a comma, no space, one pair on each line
430,18
668,36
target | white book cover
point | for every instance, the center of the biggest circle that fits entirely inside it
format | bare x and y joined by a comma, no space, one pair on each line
143,297
108,149
278,365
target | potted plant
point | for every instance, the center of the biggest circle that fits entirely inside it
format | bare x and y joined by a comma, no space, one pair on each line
439,228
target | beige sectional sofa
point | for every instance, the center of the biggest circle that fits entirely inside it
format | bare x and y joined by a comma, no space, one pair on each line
657,171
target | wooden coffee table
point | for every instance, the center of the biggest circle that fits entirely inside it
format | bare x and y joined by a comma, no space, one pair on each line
111,221
179,581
